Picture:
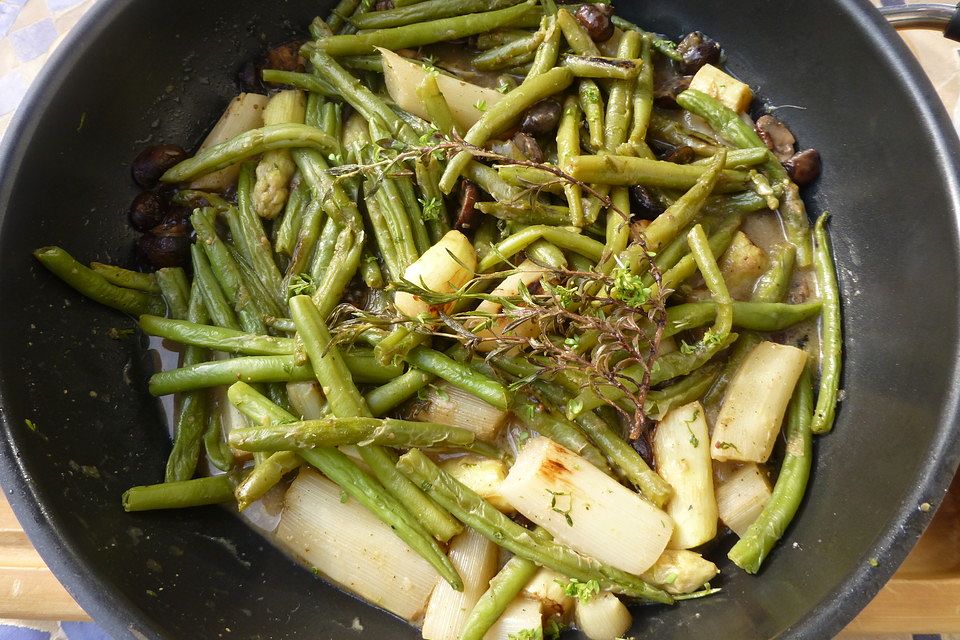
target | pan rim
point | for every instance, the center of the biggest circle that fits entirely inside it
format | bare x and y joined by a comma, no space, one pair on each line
122,618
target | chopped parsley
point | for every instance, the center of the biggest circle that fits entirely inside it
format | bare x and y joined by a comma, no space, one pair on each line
527,634
556,496
480,105
582,591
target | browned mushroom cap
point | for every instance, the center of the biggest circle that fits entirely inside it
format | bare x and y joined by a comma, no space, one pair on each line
467,217
697,50
285,57
665,92
383,5
595,18
146,211
681,155
153,161
777,137
804,167
541,118
527,145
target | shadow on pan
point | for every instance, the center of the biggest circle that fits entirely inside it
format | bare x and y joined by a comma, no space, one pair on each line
139,72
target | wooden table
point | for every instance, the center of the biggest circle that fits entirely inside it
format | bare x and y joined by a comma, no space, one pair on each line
923,596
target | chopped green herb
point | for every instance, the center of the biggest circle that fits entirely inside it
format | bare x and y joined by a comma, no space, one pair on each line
558,509
629,288
31,424
527,634
480,105
431,209
582,591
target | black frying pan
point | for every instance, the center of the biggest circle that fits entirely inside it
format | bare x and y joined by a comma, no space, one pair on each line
134,72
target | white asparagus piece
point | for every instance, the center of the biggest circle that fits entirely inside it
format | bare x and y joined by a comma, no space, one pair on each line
475,559
520,615
349,545
584,508
602,617
481,475
753,408
443,268
245,112
679,571
722,86
402,78
449,405
306,399
549,588
681,447
742,496
526,274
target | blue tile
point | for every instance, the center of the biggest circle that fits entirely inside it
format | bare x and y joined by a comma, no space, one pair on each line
9,632
8,15
83,631
33,41
12,88
60,5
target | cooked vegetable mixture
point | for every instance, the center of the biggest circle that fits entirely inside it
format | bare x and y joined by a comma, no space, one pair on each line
512,306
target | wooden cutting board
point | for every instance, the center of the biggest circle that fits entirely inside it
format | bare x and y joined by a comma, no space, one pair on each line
923,597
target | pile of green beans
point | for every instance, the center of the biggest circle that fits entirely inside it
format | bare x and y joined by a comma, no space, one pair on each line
259,306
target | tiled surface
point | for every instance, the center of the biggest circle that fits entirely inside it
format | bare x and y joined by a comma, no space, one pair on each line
31,29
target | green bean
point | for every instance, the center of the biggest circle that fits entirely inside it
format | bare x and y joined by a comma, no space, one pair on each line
738,158
493,39
670,131
501,115
548,52
561,431
192,412
626,171
292,218
707,263
263,302
126,278
477,513
546,255
507,54
774,284
685,390
372,62
218,453
302,81
214,300
178,495
686,209
642,95
253,240
361,366
620,96
388,396
490,181
459,375
724,120
562,238
618,228
384,240
504,587
323,251
341,13
568,146
601,67
335,432
216,338
436,105
591,102
424,11
753,316
249,144
175,290
264,476
424,32
342,267
539,214
194,199
750,551
794,214
575,35
370,270
522,176
227,272
345,401
831,340
94,286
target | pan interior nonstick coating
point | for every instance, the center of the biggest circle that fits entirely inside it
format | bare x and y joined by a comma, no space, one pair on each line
143,72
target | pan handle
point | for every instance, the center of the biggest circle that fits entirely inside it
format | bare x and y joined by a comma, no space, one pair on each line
944,17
